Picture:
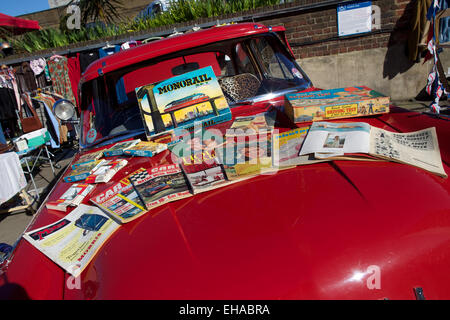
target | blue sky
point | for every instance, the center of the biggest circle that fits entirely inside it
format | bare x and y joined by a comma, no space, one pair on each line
18,7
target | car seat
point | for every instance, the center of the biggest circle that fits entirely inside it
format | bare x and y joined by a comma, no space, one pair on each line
239,87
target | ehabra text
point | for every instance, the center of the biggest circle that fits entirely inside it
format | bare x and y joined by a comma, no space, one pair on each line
228,309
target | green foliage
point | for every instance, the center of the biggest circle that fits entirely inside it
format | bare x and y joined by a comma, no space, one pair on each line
104,11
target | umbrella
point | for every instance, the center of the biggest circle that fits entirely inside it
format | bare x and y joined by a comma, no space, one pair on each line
17,26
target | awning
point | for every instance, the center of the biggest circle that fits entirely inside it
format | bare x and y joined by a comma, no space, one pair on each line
17,25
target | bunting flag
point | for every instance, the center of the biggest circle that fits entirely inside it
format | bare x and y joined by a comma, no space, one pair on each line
430,81
434,85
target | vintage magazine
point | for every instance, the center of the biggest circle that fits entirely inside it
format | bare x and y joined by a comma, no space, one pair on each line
87,158
203,172
73,241
181,101
247,125
145,149
118,148
160,185
287,146
71,198
335,104
83,171
355,140
105,171
120,201
245,158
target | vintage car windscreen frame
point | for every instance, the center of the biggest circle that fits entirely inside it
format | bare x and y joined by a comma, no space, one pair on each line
261,59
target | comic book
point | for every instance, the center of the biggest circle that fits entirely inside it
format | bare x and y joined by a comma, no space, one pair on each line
71,198
160,185
183,101
118,148
73,241
120,201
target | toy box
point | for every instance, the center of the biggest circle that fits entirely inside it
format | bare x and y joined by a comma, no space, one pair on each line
335,104
182,102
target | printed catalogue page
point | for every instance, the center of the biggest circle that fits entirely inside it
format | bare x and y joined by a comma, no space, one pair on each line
74,240
419,148
337,138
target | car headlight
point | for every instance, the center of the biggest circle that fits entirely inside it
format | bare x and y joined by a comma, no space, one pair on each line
64,109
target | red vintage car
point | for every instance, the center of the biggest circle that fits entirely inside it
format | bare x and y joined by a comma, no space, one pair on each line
332,230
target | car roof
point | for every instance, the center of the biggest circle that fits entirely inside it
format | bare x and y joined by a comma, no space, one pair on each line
172,44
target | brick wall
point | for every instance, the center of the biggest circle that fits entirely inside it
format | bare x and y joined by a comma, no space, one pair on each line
313,32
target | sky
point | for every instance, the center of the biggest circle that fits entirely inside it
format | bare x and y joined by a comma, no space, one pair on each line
19,7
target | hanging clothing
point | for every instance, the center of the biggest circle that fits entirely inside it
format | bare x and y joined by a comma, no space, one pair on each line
8,80
47,73
38,66
86,58
444,23
74,74
41,81
59,71
25,78
120,84
8,104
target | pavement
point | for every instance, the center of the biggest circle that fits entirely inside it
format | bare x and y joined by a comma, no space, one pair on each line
12,225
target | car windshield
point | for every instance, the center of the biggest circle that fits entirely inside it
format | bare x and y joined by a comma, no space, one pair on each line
248,69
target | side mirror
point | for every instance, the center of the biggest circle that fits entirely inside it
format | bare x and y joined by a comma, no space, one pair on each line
64,110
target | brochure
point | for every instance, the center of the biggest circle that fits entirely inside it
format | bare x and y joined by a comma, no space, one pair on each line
73,241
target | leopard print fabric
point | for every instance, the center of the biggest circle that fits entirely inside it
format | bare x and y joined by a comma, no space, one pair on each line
239,87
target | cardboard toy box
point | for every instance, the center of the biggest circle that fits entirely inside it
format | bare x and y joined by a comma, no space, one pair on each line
181,103
340,103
